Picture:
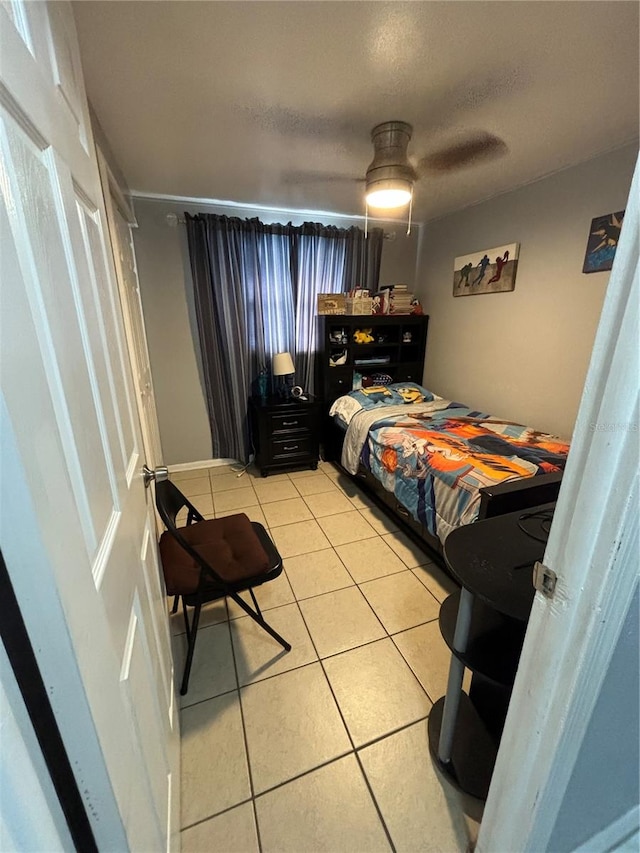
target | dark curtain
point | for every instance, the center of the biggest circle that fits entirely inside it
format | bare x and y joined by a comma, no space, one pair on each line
363,259
255,289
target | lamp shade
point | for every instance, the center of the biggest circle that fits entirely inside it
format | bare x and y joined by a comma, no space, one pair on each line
282,364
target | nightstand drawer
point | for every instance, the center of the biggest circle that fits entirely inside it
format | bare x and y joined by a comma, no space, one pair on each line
289,448
290,422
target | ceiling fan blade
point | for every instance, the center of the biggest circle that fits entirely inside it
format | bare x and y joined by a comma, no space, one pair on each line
301,177
479,148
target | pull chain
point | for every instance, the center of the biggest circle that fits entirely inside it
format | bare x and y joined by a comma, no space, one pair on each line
366,218
410,212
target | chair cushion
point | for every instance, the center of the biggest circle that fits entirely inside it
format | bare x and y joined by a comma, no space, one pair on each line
230,546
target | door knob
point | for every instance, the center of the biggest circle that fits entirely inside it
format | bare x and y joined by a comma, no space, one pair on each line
161,473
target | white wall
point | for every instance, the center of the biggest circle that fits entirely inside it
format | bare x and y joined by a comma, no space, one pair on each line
167,298
522,355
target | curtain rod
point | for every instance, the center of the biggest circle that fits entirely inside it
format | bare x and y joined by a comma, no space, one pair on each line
173,220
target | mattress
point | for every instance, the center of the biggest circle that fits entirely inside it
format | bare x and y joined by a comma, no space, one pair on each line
435,455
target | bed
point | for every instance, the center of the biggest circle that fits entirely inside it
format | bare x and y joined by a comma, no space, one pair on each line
436,463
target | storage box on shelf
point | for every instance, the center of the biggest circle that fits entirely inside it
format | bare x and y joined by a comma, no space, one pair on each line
360,306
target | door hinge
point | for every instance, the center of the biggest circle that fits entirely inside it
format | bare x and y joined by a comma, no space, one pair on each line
544,579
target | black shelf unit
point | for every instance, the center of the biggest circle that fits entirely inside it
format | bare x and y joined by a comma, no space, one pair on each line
405,357
490,613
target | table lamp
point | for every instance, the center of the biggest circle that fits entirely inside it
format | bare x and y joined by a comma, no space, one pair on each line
282,367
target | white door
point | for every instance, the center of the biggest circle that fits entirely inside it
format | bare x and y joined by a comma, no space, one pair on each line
77,532
593,549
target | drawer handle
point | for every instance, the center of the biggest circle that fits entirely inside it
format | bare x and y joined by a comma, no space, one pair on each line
289,423
295,447
401,510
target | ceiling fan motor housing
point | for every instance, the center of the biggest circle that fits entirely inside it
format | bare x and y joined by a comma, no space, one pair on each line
390,167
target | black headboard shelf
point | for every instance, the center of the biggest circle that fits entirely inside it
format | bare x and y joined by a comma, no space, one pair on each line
398,349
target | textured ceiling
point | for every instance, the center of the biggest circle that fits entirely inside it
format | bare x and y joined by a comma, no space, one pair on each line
273,102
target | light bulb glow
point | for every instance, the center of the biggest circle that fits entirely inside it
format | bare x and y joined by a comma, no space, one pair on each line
388,198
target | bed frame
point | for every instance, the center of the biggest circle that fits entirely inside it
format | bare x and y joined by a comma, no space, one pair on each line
495,500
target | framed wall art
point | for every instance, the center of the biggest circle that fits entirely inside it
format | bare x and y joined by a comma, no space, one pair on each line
487,271
602,242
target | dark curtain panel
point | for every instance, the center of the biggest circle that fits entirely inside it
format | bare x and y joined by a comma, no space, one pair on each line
256,289
363,259
245,313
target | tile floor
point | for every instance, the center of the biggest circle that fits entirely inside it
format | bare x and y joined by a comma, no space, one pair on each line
324,748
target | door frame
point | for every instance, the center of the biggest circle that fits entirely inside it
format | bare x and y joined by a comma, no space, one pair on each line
593,549
114,197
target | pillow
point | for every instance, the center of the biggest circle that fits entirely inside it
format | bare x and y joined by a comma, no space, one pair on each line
376,396
411,392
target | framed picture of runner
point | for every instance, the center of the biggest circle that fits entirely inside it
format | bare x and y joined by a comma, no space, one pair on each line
486,271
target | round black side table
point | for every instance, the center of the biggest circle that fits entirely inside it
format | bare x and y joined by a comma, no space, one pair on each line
484,625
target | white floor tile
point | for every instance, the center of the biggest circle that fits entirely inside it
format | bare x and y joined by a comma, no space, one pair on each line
180,476
288,511
253,513
272,594
215,774
315,485
235,499
316,573
211,614
328,503
401,601
195,486
258,655
410,553
292,725
379,520
254,474
228,482
303,537
212,670
422,813
347,527
231,832
219,470
328,810
369,559
376,691
340,620
428,655
436,581
269,490
203,503
305,473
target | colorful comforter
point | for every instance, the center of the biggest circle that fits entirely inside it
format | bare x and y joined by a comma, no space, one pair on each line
436,455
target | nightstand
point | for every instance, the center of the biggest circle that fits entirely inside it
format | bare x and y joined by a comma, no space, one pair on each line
285,434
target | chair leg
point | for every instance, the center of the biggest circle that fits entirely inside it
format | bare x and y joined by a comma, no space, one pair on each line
176,601
257,617
191,636
187,625
255,603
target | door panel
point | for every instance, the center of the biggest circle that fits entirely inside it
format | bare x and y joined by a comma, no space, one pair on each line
67,387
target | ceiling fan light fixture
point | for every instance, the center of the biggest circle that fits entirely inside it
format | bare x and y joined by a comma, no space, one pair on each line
389,194
390,176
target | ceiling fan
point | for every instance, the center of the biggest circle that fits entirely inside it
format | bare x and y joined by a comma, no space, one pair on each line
391,175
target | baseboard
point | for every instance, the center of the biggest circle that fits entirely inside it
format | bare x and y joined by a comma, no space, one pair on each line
204,463
614,835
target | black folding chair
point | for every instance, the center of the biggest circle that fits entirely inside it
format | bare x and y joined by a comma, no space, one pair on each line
209,559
